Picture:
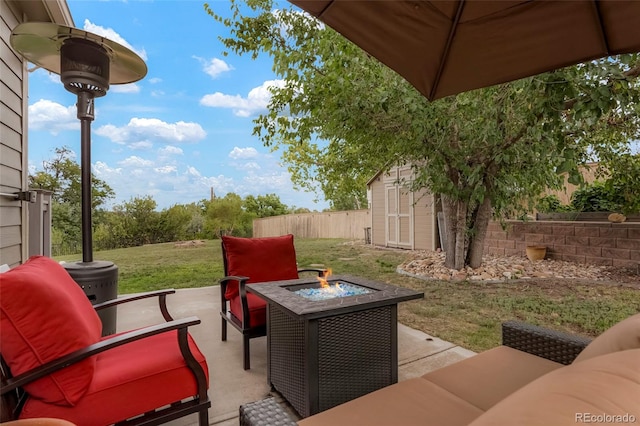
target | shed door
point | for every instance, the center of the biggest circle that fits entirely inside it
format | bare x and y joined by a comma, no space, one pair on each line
399,211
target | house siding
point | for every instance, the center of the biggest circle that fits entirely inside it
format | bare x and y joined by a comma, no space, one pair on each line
13,177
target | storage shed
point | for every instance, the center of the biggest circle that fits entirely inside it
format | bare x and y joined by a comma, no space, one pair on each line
401,218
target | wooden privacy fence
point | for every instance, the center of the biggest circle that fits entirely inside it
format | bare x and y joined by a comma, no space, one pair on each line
349,224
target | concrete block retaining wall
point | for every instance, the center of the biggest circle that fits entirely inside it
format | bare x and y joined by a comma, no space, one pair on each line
600,243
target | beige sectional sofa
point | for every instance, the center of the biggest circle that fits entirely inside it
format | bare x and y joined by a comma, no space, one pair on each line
508,386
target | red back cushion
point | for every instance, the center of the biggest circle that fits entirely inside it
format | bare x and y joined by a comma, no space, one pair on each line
44,314
260,259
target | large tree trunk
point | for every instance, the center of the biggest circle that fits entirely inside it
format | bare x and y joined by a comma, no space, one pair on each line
449,213
461,235
480,226
455,217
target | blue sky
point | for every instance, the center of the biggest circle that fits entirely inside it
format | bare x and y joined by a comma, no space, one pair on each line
183,129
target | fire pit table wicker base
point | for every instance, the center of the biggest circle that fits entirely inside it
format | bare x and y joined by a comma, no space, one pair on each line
324,353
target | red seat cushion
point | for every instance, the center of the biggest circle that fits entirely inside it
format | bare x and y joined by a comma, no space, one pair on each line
260,259
129,380
257,309
44,315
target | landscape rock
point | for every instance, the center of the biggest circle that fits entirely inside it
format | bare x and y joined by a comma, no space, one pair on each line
430,265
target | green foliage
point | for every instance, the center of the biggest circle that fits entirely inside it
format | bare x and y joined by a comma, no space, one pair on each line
592,198
623,183
619,193
551,204
62,175
265,205
225,216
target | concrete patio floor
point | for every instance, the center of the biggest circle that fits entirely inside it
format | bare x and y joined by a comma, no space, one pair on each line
230,385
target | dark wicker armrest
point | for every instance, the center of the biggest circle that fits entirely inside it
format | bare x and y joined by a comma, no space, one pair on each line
160,294
553,345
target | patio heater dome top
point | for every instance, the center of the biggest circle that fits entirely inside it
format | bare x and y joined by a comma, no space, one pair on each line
85,61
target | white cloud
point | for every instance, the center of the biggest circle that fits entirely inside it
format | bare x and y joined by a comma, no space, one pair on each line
102,169
141,146
214,67
256,101
252,165
267,182
155,80
140,130
170,150
51,116
166,169
243,153
193,171
113,36
135,161
124,88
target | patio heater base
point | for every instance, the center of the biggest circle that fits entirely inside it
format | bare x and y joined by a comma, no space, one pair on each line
99,281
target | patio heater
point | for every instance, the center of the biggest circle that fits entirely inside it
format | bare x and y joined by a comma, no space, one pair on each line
87,63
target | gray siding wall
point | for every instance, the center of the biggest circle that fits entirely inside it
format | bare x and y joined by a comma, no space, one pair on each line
13,176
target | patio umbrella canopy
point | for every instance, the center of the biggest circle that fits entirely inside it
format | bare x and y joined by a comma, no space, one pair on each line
446,47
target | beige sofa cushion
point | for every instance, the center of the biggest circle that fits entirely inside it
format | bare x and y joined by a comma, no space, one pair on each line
624,335
408,403
607,385
487,378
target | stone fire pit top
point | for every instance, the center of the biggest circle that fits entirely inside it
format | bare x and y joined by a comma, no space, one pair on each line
279,292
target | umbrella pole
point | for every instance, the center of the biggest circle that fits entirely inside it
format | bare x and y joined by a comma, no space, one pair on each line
86,115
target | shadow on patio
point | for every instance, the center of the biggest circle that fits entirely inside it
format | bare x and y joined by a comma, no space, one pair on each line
230,385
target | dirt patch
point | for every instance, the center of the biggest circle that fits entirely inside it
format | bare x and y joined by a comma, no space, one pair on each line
190,244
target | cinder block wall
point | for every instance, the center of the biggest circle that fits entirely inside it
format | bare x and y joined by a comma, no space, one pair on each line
611,244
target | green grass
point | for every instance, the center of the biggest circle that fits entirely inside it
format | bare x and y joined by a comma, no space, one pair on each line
466,313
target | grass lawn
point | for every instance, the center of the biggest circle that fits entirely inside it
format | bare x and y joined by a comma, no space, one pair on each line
466,313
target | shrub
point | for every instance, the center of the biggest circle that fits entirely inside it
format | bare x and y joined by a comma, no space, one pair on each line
596,197
551,204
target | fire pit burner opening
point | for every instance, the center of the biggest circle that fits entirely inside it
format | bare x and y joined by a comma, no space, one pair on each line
332,290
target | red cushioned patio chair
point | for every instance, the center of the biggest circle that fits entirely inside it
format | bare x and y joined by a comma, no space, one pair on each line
248,261
56,364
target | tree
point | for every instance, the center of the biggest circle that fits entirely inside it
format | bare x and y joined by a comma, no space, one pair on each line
341,116
62,176
623,182
265,205
226,216
141,220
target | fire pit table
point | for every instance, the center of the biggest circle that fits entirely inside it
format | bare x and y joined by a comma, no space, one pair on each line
322,353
